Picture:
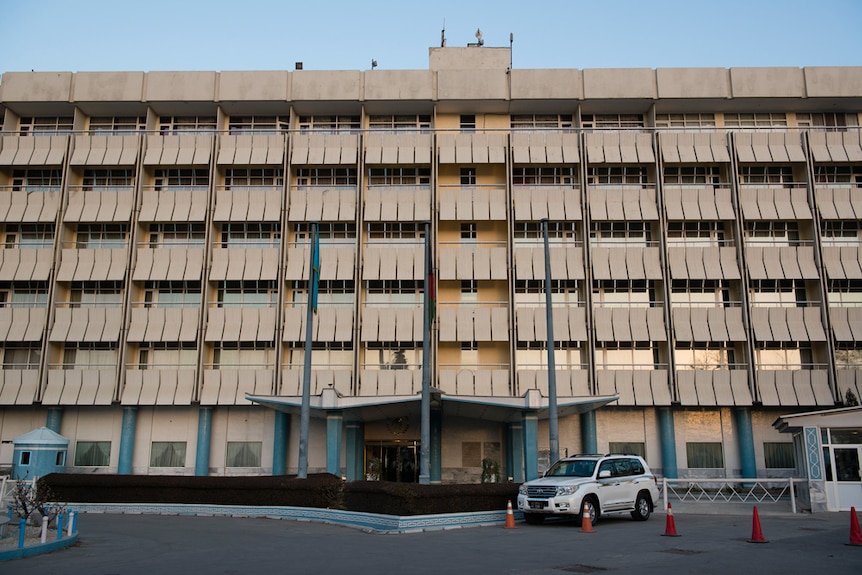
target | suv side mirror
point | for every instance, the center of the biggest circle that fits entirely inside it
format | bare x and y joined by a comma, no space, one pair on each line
604,474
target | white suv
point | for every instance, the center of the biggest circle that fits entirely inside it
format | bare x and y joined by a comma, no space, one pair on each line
604,483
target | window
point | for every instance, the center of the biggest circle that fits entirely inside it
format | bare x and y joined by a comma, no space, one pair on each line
182,179
409,232
187,124
90,355
48,126
27,236
258,124
331,293
244,354
542,122
544,175
468,122
21,355
758,120
107,180
393,355
324,355
843,174
24,459
779,455
848,356
771,175
117,124
243,454
92,453
534,355
399,176
699,292
635,234
398,292
167,355
704,355
250,178
844,293
704,455
172,294
468,176
249,293
782,355
23,294
597,175
401,123
330,233
326,177
329,124
168,454
531,234
468,233
626,355
36,180
826,120
532,292
60,459
787,293
176,235
692,175
627,448
766,233
692,120
841,233
96,294
621,121
469,291
108,236
695,234
251,235
623,292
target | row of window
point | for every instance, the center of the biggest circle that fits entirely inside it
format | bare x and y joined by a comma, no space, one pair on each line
710,455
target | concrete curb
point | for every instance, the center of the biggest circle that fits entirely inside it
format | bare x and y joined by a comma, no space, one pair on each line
39,548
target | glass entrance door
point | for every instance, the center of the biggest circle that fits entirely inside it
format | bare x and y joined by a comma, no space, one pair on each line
392,461
844,469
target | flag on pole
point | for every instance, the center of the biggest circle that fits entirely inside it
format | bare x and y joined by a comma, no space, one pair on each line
315,267
432,295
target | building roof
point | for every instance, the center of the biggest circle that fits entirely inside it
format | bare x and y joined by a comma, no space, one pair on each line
841,417
41,436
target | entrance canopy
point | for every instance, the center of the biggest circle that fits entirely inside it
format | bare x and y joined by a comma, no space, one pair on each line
500,409
841,417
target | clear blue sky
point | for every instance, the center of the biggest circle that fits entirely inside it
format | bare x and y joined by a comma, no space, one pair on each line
69,35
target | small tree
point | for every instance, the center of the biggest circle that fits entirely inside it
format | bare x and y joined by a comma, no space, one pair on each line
850,398
32,501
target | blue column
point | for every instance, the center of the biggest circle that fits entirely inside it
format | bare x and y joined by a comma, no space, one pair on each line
668,442
54,419
334,420
589,437
127,440
531,445
436,445
355,456
279,443
515,452
742,416
202,452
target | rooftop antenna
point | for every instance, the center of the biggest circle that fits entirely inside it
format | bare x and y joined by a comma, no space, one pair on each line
373,63
443,35
479,37
511,41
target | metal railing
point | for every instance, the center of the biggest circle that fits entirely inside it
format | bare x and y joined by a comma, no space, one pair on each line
721,490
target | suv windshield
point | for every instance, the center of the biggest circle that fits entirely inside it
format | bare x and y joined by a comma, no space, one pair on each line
582,468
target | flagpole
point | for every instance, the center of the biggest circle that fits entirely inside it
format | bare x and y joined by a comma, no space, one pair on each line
425,430
553,430
311,308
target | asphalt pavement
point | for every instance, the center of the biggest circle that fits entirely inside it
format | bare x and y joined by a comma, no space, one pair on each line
708,543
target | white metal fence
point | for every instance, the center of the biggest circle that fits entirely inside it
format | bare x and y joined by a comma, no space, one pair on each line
725,491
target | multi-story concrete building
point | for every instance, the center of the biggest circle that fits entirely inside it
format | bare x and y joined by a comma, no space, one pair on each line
704,246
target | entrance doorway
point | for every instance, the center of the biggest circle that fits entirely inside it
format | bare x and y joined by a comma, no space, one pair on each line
843,462
392,461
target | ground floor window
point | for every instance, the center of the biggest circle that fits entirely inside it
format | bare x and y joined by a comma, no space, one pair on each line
243,454
92,453
168,454
778,455
627,447
704,455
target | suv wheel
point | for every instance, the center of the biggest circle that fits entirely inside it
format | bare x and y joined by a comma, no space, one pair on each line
592,508
534,518
642,507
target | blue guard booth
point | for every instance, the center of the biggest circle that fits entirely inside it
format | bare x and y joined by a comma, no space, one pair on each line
38,453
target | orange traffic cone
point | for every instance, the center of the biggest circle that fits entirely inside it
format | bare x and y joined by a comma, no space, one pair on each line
756,533
510,517
586,522
670,524
855,533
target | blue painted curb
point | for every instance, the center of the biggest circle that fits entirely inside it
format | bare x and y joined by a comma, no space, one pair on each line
39,548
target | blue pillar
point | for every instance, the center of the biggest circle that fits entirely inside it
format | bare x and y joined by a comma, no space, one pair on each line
54,419
334,420
515,452
668,442
202,452
127,440
531,445
589,437
742,416
436,445
355,456
279,443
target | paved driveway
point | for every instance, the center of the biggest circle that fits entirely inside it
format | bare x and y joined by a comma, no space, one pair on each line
146,544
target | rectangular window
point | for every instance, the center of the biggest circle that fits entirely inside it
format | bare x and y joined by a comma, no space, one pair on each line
118,179
770,175
393,355
838,174
408,232
330,233
841,233
544,176
172,294
779,455
243,454
632,233
782,355
848,356
690,120
244,355
118,125
627,448
24,459
626,355
624,292
695,234
531,293
187,124
541,122
107,236
168,355
846,293
177,235
258,124
251,235
36,180
394,292
324,355
777,233
703,355
620,121
783,293
402,123
836,120
468,176
534,355
47,126
194,179
700,292
92,453
710,175
96,294
399,176
28,236
598,175
329,124
468,122
559,233
24,355
90,355
23,294
337,293
755,120
326,177
168,454
251,178
704,455
248,293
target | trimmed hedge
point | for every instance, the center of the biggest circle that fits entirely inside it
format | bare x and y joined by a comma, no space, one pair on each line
319,490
